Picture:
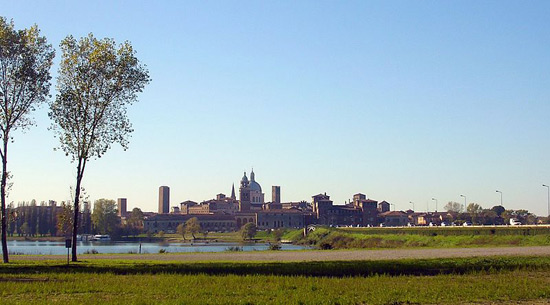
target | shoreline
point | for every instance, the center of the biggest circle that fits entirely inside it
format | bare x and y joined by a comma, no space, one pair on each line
308,255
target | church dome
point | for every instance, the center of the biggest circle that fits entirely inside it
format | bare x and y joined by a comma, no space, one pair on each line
255,186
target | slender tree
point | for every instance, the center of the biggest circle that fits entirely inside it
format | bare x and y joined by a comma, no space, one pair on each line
25,61
181,230
193,226
134,223
97,81
65,220
453,206
248,231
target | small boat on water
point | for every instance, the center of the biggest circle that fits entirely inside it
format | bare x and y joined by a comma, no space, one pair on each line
101,238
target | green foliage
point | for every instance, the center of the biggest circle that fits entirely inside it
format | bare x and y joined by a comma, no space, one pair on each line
96,82
181,230
274,247
278,234
65,220
453,206
447,231
25,61
104,217
24,229
325,238
474,208
248,231
193,226
134,223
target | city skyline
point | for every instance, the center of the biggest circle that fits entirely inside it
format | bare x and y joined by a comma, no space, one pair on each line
401,101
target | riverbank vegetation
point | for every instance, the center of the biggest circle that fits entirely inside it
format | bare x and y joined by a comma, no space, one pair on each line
368,238
436,281
371,238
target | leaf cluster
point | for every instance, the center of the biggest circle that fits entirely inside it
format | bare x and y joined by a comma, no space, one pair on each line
97,81
25,61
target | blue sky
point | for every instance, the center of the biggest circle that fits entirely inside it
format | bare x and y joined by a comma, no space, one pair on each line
400,100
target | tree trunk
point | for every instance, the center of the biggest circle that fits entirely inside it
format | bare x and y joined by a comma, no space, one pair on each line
3,200
79,174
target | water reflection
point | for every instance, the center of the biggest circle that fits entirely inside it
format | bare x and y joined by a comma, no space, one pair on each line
57,248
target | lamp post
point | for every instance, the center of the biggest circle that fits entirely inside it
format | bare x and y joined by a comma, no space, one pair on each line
412,204
464,201
500,197
548,188
435,204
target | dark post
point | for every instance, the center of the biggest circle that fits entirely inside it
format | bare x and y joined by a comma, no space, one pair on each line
68,246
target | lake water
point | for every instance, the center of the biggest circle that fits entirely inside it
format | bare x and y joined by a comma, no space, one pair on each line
49,247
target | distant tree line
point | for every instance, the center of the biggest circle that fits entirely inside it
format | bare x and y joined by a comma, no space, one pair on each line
497,215
30,219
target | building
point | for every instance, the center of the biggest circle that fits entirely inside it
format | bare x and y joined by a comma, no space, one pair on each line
169,223
251,208
335,215
394,219
283,218
250,194
383,207
369,208
122,207
164,200
276,194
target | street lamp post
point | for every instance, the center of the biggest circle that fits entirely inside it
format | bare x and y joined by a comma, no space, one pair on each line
412,204
435,204
548,188
500,197
464,201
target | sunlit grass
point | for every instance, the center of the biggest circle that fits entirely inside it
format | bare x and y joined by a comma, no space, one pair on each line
526,281
373,238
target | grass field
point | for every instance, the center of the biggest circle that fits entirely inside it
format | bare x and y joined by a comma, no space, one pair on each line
443,281
372,238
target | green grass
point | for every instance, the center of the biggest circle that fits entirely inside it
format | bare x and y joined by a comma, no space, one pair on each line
453,231
311,268
369,238
498,280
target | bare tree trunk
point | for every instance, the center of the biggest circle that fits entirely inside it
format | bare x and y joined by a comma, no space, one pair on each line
3,200
76,208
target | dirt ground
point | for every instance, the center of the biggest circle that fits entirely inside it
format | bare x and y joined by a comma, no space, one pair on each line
311,255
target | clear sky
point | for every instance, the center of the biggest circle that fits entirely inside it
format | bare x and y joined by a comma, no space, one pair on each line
400,100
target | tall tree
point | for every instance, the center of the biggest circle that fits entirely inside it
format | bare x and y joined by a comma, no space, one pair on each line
453,206
134,223
474,210
248,231
181,230
104,216
193,226
25,61
97,81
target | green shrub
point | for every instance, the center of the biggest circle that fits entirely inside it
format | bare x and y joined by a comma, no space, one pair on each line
274,247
